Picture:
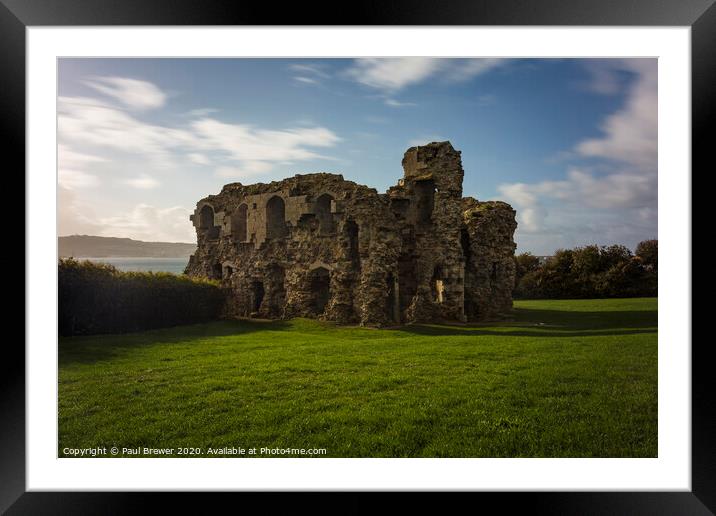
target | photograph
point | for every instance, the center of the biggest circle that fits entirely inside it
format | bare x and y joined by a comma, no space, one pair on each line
357,257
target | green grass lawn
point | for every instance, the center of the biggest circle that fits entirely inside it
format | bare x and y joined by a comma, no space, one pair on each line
573,378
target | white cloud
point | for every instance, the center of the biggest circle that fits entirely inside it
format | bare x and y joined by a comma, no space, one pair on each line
395,73
132,93
143,182
142,222
199,159
69,158
74,179
310,69
73,218
88,122
603,76
630,134
149,223
397,103
306,80
465,69
246,144
530,214
92,123
248,169
199,113
101,126
615,202
70,165
392,73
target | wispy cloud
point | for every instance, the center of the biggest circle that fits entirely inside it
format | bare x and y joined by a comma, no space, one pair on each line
248,169
398,104
306,80
150,223
72,168
199,112
114,127
466,69
88,122
315,69
143,182
74,217
198,159
614,199
132,93
393,74
74,179
310,73
244,143
630,134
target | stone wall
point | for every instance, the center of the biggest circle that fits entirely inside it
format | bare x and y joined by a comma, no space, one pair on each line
319,246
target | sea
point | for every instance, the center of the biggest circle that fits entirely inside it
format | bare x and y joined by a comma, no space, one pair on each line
175,265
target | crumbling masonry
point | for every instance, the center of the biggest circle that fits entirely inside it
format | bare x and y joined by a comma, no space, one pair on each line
319,246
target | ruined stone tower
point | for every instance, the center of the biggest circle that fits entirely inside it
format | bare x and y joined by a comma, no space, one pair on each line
316,245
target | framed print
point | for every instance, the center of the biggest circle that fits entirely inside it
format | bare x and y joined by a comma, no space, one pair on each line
407,249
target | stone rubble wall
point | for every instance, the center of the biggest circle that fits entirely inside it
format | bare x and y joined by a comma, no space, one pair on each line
317,245
490,269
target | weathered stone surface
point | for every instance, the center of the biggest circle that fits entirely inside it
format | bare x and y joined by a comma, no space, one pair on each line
316,245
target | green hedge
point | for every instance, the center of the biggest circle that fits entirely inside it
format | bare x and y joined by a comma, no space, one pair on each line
97,298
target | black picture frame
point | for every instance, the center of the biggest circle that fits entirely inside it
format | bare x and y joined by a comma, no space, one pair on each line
17,15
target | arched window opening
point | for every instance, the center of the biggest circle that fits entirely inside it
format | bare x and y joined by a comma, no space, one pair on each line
216,271
228,271
239,223
324,215
275,218
206,221
320,285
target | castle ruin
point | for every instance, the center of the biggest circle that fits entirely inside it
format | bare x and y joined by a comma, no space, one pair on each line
318,246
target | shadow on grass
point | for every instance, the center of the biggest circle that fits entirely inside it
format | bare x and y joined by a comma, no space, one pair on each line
529,322
526,322
94,348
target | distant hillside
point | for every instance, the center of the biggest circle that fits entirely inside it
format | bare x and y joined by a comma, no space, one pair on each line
82,246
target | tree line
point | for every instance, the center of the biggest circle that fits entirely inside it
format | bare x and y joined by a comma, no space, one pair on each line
589,272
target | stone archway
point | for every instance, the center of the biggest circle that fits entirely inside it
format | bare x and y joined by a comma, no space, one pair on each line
319,284
275,217
239,223
206,221
324,215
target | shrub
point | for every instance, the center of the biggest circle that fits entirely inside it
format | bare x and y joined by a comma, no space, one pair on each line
97,298
648,251
591,272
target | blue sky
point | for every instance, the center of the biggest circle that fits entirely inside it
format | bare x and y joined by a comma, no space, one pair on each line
570,143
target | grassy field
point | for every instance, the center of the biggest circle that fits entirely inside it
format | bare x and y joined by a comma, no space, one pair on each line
564,379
